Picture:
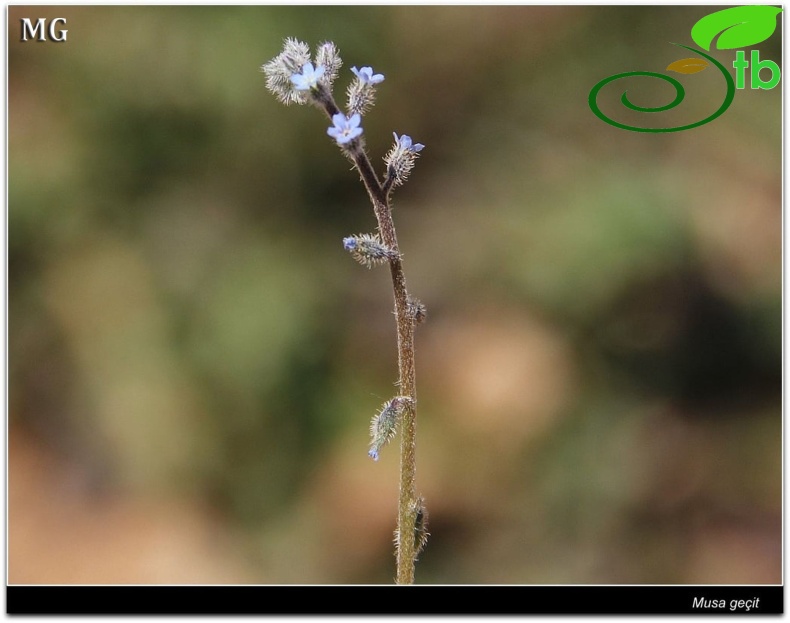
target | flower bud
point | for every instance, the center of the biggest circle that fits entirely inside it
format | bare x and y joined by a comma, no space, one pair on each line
420,533
385,424
416,310
367,249
328,57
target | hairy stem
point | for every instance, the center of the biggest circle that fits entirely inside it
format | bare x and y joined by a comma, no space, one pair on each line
407,503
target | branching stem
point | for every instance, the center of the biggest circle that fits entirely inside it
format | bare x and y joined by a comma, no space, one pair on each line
407,503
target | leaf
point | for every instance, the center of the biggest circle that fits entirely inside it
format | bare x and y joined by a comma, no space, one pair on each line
739,26
688,65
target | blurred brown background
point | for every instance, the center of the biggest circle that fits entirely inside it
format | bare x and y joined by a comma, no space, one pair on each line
194,359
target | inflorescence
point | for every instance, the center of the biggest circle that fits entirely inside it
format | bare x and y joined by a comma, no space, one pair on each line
294,77
297,78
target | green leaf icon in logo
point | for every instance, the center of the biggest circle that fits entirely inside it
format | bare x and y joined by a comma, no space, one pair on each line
740,26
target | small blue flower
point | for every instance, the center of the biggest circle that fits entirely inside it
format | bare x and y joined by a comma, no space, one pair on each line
345,129
308,79
401,158
373,454
367,76
350,243
406,144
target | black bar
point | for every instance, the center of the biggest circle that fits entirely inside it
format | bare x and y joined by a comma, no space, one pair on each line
426,600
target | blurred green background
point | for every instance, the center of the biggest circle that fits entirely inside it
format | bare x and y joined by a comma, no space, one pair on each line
194,359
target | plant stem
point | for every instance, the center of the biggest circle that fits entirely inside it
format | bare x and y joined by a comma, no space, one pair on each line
407,502
406,381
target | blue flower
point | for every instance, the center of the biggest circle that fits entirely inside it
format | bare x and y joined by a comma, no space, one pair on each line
308,79
345,129
350,243
367,76
401,158
405,143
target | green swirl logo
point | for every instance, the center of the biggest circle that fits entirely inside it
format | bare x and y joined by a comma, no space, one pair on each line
735,27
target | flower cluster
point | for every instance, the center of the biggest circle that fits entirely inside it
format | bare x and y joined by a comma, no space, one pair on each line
296,79
293,78
367,249
279,70
385,424
361,92
401,158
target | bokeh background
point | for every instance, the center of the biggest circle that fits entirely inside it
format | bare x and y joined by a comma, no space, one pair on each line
193,359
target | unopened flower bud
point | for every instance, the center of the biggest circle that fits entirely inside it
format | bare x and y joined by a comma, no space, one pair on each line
385,424
416,310
420,533
367,249
328,57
